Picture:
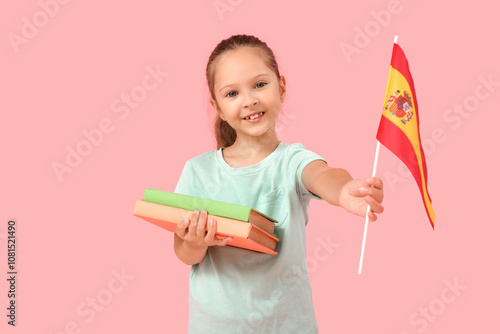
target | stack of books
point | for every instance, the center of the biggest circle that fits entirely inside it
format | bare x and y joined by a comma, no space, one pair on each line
248,228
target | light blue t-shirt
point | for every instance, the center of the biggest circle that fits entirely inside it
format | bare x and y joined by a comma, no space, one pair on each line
239,291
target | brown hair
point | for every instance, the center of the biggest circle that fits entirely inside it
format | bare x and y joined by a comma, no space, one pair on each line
224,133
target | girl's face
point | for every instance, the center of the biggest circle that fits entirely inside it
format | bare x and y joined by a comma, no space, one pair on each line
248,94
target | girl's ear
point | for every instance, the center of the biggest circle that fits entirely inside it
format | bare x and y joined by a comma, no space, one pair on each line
282,84
216,108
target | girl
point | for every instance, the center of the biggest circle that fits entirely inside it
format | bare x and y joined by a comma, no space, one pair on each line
234,290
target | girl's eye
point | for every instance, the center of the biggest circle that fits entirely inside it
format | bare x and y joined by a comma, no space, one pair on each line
260,84
231,94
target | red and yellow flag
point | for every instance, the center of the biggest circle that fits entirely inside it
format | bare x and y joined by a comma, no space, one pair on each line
399,125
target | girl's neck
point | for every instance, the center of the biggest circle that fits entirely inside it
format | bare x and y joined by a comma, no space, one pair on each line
249,151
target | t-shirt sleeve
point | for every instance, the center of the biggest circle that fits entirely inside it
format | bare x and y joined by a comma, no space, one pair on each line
300,158
185,180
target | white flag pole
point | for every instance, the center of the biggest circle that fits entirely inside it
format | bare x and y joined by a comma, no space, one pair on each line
377,150
375,163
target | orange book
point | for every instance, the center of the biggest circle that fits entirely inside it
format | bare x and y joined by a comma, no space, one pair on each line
244,234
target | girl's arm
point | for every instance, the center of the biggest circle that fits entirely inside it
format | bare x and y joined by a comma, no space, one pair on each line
191,240
336,186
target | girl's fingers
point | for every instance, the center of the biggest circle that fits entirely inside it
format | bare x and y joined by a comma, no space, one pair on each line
193,226
376,182
196,229
221,242
182,228
375,190
375,205
202,224
371,216
225,241
212,239
376,194
212,228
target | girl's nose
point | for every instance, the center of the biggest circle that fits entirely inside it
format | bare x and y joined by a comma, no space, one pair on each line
250,102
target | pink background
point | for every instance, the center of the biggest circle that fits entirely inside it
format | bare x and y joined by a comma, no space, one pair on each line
76,233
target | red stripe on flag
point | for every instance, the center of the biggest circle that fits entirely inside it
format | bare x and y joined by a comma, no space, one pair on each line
392,137
400,63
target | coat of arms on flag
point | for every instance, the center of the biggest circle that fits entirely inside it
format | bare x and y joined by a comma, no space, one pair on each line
400,106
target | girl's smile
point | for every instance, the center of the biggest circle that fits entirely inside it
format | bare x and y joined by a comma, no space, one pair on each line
254,117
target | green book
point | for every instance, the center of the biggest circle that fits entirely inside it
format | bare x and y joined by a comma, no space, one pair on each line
216,208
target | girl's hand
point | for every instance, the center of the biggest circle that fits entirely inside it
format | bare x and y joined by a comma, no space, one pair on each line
195,234
356,195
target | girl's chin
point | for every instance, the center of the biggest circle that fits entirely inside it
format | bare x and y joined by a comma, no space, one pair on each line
258,133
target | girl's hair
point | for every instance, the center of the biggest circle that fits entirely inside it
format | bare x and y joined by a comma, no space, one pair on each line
224,133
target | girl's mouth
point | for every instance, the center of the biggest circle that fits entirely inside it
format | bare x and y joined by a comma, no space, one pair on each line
254,116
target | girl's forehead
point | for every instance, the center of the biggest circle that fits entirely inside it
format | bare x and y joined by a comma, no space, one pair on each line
243,59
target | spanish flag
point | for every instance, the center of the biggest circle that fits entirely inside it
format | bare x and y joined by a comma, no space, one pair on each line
399,125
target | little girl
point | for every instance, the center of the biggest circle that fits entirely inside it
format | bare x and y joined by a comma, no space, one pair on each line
234,290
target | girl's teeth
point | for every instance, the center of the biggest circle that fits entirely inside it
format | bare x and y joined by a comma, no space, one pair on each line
254,116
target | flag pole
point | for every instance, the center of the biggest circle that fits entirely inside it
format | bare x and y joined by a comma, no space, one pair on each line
375,163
